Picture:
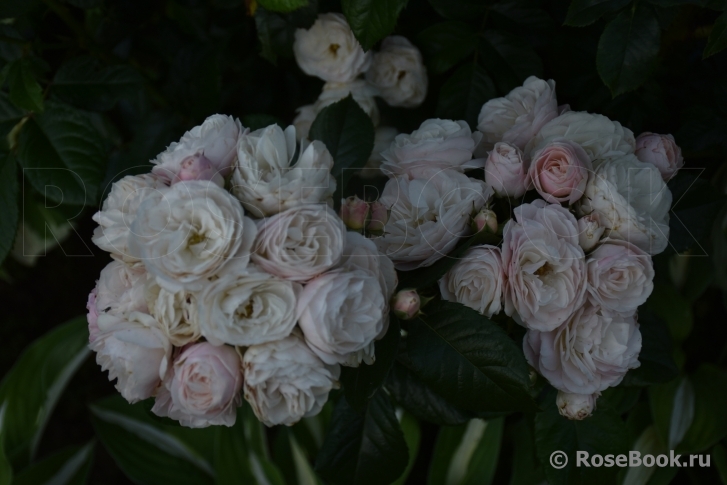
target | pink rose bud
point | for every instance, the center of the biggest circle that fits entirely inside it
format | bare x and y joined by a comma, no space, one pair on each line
379,216
576,406
661,151
354,212
485,220
197,167
589,232
559,171
406,304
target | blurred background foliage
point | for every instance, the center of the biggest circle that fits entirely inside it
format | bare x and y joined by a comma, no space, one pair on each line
91,90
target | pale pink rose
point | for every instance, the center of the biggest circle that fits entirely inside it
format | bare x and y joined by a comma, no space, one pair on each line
506,170
545,266
197,167
591,352
476,281
590,231
620,276
92,316
203,387
559,171
120,289
135,351
661,151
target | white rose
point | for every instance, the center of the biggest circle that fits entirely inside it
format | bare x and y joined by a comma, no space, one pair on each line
248,307
599,136
285,381
398,72
383,138
591,352
187,233
435,144
361,253
590,231
517,117
329,50
119,211
267,181
428,216
506,171
203,387
120,289
176,312
545,266
631,201
620,276
134,350
303,120
575,406
341,313
300,243
361,91
476,281
206,152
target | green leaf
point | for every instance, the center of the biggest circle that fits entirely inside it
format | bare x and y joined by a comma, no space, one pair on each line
348,133
657,364
362,449
421,401
412,436
464,356
85,83
10,115
8,204
69,466
526,469
255,438
425,277
372,20
585,12
445,44
672,407
147,452
459,9
509,58
61,148
621,399
672,308
361,383
31,389
603,433
231,456
695,205
6,469
464,93
710,402
719,455
717,40
648,443
283,5
304,472
628,49
467,454
276,32
25,92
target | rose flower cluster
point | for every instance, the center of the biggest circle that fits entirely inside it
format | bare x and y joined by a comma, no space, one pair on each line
575,262
231,275
396,73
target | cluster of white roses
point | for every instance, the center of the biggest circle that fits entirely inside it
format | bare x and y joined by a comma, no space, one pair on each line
396,73
202,301
575,264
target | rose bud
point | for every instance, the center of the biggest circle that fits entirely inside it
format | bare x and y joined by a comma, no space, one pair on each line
485,220
406,304
589,232
198,167
354,212
661,151
378,218
575,406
